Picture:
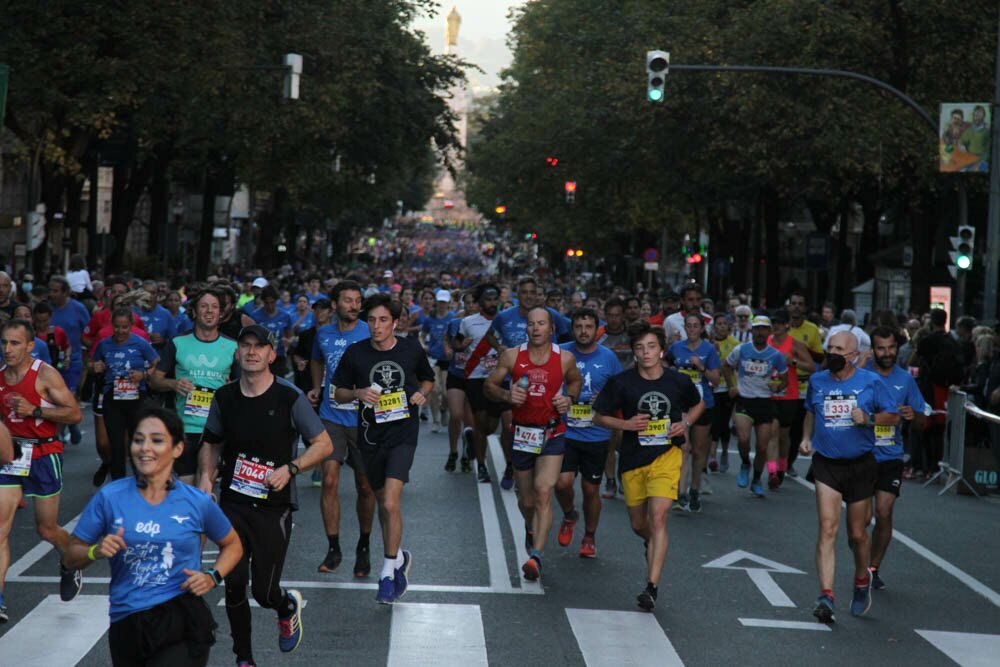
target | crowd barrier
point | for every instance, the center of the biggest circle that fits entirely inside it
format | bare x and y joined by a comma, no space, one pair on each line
970,440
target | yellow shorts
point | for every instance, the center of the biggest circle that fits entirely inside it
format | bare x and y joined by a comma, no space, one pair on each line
657,480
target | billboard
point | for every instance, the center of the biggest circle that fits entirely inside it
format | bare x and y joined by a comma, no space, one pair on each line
964,137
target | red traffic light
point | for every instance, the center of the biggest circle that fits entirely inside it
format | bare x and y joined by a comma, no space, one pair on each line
570,252
570,187
500,210
552,161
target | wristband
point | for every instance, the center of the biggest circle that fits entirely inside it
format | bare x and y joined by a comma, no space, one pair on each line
90,552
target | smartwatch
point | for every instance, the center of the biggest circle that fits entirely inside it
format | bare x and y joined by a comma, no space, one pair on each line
292,468
37,412
216,577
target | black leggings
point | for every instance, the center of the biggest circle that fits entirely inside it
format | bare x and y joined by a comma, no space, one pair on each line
265,532
119,419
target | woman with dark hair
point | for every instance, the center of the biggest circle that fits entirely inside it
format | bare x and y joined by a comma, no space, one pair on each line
151,527
80,285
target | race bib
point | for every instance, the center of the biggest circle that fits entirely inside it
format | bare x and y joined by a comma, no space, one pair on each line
353,405
655,433
529,439
126,389
198,402
692,373
22,465
758,369
249,477
837,411
581,415
392,407
460,358
489,363
885,436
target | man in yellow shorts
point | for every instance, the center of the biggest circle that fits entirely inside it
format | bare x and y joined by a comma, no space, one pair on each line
656,405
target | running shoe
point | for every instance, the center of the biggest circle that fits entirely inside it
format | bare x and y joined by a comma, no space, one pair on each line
587,547
3,610
362,562
75,434
824,609
610,488
401,574
529,540
315,478
682,504
290,627
331,562
507,483
436,428
705,486
861,602
70,583
532,568
484,475
877,582
466,465
449,465
566,529
713,465
694,504
100,475
647,598
773,482
386,591
744,477
423,416
245,663
757,489
467,443
724,461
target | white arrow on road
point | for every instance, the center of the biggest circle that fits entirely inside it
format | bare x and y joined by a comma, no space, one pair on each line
760,575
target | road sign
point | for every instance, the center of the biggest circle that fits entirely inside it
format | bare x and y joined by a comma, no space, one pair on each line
651,266
650,255
760,575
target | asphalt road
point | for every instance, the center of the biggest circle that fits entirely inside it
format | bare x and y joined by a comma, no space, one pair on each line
739,585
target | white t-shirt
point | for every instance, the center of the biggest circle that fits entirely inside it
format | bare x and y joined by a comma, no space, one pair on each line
79,281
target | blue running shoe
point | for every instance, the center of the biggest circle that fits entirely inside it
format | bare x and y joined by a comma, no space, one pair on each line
757,489
401,574
507,482
824,609
290,627
744,477
862,600
3,610
386,591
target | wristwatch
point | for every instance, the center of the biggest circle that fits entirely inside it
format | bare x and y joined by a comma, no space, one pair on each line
292,468
37,412
216,577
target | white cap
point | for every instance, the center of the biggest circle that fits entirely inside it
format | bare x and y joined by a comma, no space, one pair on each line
442,295
760,321
387,273
259,282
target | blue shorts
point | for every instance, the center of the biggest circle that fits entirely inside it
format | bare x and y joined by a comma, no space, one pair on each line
553,447
43,480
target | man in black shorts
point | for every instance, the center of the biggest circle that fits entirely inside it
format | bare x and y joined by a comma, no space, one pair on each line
391,378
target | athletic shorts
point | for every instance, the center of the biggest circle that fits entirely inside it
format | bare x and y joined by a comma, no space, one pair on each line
706,417
43,480
657,480
587,458
721,415
758,410
384,462
555,446
187,464
854,479
454,382
442,364
345,444
788,411
478,400
890,476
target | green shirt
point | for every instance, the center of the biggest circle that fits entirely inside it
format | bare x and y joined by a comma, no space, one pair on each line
208,365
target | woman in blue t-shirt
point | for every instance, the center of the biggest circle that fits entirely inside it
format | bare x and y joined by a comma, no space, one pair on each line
125,359
151,528
698,359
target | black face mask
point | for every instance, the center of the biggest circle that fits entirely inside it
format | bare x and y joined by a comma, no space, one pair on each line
835,362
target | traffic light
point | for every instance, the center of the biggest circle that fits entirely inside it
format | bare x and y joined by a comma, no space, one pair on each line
962,248
574,252
570,188
500,209
570,252
552,161
657,67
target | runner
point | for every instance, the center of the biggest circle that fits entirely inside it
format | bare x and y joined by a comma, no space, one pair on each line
200,362
721,431
614,336
762,372
587,446
341,423
72,317
787,403
392,378
158,321
741,331
809,335
889,442
151,528
843,404
57,343
278,322
657,405
696,358
691,299
35,400
538,369
433,328
461,421
254,424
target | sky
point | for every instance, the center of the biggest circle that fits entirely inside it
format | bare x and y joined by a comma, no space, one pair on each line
481,38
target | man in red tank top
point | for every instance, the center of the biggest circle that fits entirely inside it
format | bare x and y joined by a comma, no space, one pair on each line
538,370
788,404
33,401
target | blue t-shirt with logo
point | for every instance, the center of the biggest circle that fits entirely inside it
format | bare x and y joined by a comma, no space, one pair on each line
329,346
306,322
511,328
277,324
754,369
161,540
435,328
458,358
182,324
73,318
709,356
596,368
135,354
831,401
158,320
903,388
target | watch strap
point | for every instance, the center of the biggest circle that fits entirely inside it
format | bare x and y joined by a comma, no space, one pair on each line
216,576
292,468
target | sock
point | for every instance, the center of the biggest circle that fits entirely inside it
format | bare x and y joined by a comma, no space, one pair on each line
285,609
388,567
863,581
589,533
772,468
334,541
782,465
537,555
827,592
399,559
363,541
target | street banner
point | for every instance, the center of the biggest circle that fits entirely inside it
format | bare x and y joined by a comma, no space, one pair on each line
964,137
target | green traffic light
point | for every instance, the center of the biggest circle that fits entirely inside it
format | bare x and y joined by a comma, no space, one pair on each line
963,262
655,95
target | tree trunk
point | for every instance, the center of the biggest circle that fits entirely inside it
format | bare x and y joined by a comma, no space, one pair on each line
130,182
74,213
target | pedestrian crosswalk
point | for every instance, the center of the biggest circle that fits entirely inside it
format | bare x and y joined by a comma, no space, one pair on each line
56,632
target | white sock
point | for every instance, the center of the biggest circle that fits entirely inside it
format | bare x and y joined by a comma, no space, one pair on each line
388,567
399,559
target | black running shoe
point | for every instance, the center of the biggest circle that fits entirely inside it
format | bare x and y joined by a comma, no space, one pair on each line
331,562
449,466
101,475
483,475
646,599
363,563
877,582
70,583
467,443
466,465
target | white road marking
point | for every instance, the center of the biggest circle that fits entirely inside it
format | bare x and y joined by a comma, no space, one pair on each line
760,576
254,603
514,518
495,557
37,552
966,648
78,625
442,635
613,638
789,625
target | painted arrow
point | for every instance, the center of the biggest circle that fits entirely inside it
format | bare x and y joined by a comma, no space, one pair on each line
760,574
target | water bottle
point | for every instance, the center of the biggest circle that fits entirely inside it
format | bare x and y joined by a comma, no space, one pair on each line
523,383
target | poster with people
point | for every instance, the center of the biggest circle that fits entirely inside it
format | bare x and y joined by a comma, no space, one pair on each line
964,137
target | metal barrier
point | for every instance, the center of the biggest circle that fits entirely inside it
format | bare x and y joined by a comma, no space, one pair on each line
957,409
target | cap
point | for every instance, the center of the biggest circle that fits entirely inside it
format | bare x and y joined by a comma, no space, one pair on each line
760,321
259,282
442,295
262,334
669,295
28,277
322,303
387,273
395,287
